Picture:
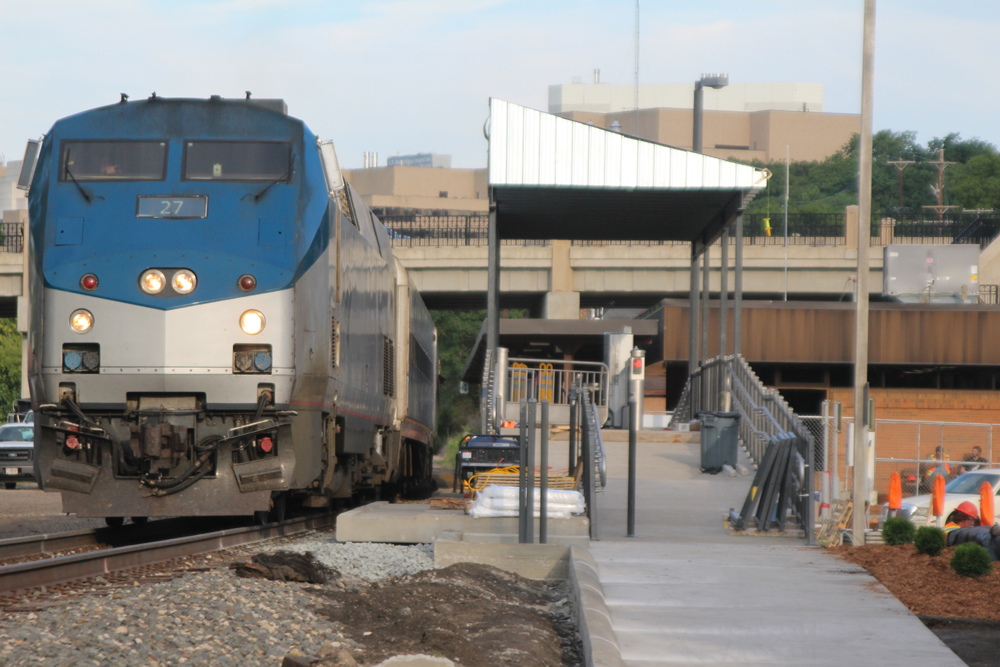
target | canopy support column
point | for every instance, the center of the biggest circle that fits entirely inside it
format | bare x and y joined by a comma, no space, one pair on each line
693,312
738,287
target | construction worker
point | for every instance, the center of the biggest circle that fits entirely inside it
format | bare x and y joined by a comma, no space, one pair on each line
964,516
937,463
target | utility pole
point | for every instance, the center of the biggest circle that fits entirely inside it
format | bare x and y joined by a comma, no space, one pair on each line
786,222
900,165
860,444
941,166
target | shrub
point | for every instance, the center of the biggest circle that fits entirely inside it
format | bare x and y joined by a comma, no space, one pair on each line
929,540
971,560
898,531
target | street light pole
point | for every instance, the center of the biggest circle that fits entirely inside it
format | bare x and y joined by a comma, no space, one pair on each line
707,81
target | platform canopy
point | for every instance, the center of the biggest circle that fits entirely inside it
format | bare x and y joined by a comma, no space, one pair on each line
554,178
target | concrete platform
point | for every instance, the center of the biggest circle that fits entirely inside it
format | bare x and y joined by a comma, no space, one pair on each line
684,592
414,523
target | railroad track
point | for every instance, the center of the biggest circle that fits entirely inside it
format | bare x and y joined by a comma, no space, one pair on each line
61,569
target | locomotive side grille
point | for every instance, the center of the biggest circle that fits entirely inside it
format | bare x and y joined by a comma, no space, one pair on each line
420,361
334,343
388,367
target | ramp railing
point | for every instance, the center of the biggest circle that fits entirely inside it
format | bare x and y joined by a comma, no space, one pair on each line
728,384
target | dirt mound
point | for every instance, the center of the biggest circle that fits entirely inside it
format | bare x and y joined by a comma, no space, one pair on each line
476,615
284,566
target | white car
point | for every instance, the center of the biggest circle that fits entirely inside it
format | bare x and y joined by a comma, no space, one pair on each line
962,488
17,445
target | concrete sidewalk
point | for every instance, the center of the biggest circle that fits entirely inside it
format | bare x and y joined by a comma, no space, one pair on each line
685,592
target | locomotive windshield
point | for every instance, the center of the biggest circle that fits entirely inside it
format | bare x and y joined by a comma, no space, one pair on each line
113,160
263,161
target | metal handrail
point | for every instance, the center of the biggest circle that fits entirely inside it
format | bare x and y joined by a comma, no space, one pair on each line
555,384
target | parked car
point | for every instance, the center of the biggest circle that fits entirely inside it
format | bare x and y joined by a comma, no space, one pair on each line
17,444
962,488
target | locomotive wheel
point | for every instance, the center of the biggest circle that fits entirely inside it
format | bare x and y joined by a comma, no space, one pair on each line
114,521
260,518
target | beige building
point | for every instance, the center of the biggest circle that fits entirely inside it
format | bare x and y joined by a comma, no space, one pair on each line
738,135
736,96
11,199
423,190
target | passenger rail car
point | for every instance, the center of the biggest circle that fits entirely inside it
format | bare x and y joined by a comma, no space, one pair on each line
217,319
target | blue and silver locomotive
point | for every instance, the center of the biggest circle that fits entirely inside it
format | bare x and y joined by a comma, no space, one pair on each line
217,319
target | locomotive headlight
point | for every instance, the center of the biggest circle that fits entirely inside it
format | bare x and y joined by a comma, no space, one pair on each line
184,281
252,322
153,281
81,321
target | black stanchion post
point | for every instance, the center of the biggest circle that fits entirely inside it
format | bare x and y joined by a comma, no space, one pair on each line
522,488
543,500
529,467
633,428
588,470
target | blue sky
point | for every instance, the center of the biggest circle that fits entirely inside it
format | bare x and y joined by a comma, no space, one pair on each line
404,76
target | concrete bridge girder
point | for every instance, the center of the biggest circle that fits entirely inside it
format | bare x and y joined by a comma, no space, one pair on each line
617,269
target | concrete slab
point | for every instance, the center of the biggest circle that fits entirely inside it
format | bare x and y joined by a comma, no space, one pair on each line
532,561
685,592
414,523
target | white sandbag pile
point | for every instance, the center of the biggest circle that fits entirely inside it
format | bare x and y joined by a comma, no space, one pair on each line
494,501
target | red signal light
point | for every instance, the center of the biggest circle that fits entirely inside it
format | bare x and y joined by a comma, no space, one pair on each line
89,282
247,282
637,363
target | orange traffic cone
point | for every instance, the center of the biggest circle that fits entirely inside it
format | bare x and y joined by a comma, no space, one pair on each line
937,499
895,493
986,515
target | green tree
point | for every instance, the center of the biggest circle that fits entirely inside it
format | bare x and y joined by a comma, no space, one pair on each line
457,333
10,364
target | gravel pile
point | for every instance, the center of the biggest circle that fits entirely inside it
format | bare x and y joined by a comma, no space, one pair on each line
199,619
368,561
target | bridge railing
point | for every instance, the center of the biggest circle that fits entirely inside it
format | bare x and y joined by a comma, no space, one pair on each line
409,231
11,237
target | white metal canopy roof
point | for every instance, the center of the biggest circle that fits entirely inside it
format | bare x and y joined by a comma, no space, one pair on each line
557,178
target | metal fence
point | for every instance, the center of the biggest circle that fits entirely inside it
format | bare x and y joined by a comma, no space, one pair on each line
445,231
911,448
553,380
12,235
803,229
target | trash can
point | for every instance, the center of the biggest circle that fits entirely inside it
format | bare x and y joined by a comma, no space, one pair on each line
719,431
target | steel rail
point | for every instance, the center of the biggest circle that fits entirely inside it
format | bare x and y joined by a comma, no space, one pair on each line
51,571
31,545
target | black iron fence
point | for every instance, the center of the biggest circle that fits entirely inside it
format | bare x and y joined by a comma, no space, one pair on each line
444,231
12,236
804,229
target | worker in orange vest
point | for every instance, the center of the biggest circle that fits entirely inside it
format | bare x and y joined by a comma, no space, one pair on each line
964,516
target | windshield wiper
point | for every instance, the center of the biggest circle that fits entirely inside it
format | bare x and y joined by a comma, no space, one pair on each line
86,195
286,176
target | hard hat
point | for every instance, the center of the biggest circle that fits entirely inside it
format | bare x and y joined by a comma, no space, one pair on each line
968,509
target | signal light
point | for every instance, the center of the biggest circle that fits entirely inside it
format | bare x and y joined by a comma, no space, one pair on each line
252,322
247,282
81,321
89,282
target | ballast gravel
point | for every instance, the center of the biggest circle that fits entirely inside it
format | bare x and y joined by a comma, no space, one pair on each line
199,618
368,560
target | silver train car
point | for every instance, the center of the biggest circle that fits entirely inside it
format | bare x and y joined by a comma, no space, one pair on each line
218,323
